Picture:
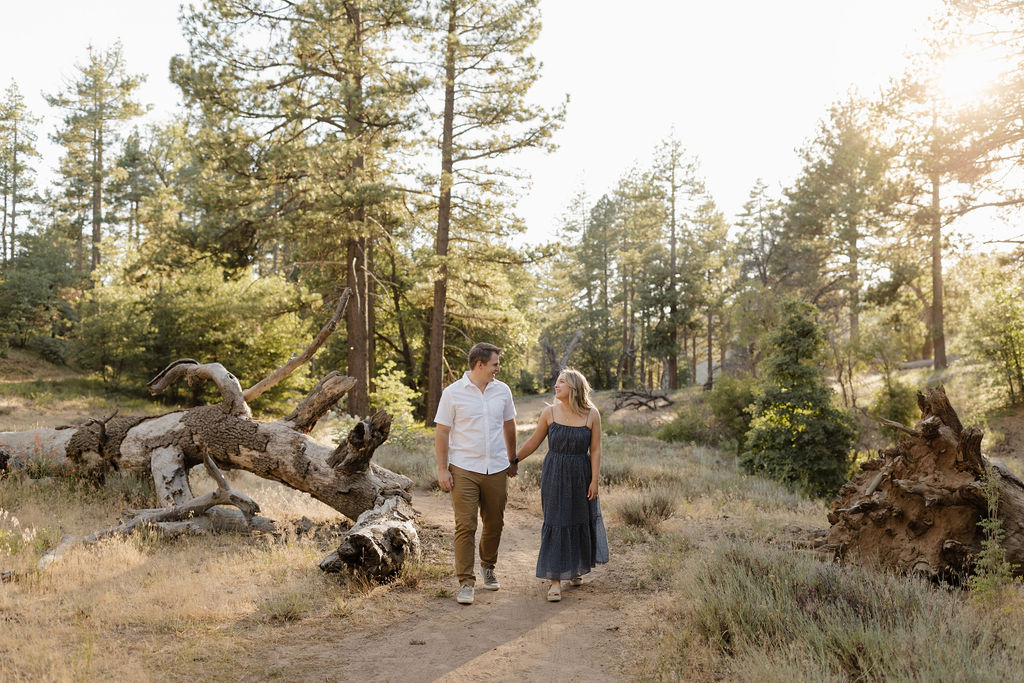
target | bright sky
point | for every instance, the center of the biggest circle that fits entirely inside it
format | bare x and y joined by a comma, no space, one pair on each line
741,82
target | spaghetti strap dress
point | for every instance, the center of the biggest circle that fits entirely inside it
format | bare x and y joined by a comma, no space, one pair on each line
573,538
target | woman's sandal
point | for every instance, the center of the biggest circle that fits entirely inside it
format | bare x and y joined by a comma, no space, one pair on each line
555,593
576,581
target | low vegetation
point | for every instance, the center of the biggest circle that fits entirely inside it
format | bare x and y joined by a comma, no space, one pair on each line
724,559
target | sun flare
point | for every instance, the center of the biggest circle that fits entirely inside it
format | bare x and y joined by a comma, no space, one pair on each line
969,74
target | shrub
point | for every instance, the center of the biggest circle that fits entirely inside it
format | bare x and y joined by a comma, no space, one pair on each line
289,605
130,330
993,572
690,425
897,402
647,509
730,401
391,394
796,435
526,385
51,349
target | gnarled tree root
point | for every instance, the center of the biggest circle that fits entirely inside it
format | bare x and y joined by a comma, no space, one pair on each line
916,507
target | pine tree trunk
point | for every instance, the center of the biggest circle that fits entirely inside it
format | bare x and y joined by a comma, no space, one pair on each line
357,246
938,323
438,312
711,378
358,362
14,191
97,199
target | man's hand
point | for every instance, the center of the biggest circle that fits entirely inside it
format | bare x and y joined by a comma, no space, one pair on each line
513,469
445,480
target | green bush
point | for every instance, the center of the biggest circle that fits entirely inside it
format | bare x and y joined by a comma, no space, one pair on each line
393,395
131,330
730,401
796,435
526,385
692,424
35,291
897,402
51,349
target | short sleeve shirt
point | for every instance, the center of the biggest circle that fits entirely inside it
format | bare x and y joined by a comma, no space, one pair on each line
476,418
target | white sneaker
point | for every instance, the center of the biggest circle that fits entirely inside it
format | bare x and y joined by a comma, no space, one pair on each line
465,596
490,580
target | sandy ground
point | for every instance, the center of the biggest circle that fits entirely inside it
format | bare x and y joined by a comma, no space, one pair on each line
509,634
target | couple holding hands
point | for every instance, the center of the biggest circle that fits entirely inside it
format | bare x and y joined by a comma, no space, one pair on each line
475,444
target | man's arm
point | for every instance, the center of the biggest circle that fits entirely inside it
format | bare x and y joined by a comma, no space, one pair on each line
508,428
444,477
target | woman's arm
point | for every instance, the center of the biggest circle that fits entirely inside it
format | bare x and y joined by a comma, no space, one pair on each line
595,455
538,435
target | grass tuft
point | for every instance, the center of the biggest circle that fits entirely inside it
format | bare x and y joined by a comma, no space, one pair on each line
647,509
288,605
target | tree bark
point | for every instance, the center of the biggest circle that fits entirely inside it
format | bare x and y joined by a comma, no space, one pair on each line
438,311
916,507
97,198
937,317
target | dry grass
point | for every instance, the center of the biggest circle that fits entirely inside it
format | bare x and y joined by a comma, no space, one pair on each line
175,609
742,611
733,596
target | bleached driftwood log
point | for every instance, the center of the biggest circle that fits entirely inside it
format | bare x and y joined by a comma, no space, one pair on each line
225,436
916,507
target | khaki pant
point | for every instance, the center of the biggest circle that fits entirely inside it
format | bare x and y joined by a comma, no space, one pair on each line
473,491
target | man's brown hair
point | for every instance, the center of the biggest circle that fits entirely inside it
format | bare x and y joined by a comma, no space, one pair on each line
481,353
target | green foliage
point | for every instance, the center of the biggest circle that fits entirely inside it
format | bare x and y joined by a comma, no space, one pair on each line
130,331
690,425
526,384
719,417
897,402
996,317
993,572
730,401
393,395
36,293
796,435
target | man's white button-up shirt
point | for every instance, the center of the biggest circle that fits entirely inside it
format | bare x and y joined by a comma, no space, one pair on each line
476,440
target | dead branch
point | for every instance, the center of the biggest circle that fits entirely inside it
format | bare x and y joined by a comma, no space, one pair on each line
195,374
296,361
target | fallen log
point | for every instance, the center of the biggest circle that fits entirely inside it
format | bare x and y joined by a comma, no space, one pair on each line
225,436
640,398
916,507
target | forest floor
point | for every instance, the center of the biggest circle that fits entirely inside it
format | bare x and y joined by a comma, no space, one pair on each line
729,553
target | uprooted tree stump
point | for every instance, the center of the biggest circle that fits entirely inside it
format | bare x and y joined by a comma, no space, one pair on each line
916,507
225,436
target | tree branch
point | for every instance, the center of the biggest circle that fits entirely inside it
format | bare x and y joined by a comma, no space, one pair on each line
289,367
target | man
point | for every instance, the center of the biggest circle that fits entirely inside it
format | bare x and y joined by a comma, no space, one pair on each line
475,444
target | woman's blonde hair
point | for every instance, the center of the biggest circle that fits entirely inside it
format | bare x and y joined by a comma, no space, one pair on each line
579,390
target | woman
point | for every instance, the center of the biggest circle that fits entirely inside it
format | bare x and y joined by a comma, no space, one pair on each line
573,537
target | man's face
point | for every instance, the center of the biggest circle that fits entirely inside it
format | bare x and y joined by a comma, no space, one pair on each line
491,367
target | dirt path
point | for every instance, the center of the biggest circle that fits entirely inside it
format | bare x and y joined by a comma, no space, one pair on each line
509,634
